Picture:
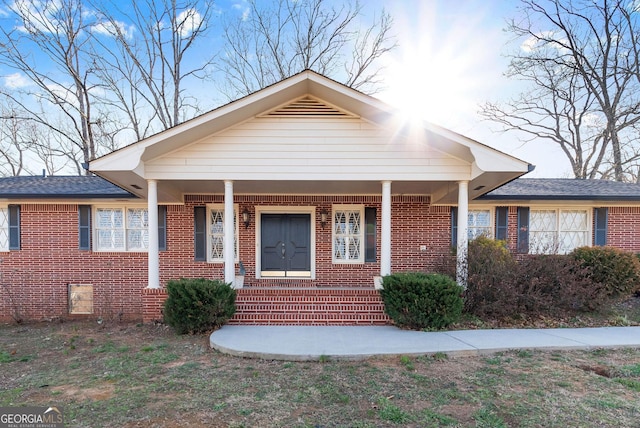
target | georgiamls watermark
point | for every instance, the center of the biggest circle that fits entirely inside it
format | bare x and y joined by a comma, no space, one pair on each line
31,417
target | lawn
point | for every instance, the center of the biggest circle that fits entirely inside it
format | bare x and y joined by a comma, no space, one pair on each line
132,375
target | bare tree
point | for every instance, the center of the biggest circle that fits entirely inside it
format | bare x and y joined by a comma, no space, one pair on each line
12,145
23,139
581,61
271,42
150,54
57,30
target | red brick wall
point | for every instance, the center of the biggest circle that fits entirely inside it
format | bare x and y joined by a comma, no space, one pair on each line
34,280
152,304
623,228
415,223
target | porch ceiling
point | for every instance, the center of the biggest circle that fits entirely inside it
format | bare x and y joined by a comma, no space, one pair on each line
441,192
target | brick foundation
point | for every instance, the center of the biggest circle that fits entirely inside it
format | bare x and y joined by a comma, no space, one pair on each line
152,304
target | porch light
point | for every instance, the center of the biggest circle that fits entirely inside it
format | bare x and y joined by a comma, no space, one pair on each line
245,218
323,218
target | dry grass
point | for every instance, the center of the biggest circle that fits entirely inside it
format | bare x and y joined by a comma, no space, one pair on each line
133,375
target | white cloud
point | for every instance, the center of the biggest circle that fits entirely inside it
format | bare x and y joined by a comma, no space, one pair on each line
40,15
16,81
188,21
242,7
534,42
109,29
542,39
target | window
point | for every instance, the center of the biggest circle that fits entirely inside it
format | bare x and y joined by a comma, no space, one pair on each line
110,229
215,235
348,234
10,228
114,232
479,223
558,231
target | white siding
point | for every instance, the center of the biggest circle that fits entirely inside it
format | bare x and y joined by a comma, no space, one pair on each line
303,148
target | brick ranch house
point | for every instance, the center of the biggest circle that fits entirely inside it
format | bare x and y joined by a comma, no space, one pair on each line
311,189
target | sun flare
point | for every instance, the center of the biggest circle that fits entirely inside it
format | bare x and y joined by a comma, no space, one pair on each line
428,84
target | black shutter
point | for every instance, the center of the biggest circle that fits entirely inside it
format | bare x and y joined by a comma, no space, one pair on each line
502,216
199,235
600,226
454,227
14,227
162,227
84,227
523,229
370,234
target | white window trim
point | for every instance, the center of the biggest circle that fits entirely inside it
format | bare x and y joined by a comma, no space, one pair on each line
220,207
4,246
284,209
345,207
492,219
558,210
94,228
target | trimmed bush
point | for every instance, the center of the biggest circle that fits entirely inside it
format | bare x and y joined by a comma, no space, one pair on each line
492,272
421,301
616,270
198,305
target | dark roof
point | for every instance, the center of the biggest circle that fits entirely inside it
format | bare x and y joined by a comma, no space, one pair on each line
60,187
564,189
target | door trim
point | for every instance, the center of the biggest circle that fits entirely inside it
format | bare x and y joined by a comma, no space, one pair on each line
267,209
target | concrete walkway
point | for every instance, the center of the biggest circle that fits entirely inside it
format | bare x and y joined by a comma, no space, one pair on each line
337,342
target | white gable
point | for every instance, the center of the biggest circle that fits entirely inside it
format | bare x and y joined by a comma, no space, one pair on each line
307,134
308,140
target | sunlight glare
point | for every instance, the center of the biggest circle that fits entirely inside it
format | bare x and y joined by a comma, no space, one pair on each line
428,84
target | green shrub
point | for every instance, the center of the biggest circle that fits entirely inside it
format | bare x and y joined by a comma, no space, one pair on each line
491,275
419,300
616,270
198,305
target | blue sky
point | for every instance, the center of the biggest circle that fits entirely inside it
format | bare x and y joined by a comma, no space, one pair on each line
449,60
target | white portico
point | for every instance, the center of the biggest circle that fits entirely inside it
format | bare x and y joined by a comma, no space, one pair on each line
307,135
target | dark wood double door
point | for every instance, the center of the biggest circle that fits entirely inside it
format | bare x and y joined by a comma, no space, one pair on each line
286,245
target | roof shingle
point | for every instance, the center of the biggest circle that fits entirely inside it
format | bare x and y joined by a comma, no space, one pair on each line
60,187
564,189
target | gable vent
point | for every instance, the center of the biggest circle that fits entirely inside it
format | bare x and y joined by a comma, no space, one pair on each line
307,107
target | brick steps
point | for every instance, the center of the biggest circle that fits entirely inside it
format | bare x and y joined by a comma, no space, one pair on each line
309,306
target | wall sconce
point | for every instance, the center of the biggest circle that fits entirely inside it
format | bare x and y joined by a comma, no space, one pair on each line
323,218
246,217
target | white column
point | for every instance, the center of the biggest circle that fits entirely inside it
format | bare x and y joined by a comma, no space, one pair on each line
385,238
153,250
229,241
463,233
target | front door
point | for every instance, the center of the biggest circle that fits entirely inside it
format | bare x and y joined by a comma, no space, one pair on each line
286,244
